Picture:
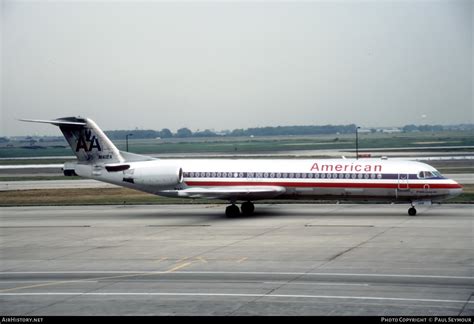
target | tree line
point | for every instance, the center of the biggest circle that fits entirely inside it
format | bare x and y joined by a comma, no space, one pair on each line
272,131
256,131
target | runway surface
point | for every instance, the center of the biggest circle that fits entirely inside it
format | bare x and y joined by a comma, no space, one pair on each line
190,260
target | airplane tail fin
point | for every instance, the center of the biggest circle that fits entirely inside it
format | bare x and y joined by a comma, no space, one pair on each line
88,142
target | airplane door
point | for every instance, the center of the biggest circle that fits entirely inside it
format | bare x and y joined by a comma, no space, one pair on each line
403,181
250,176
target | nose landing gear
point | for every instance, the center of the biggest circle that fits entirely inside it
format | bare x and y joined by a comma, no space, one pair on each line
412,211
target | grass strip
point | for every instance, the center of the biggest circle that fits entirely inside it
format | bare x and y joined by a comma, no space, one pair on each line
124,196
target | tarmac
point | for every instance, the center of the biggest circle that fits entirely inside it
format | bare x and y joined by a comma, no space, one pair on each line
293,259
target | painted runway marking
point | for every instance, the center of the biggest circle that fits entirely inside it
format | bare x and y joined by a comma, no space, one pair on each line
234,295
44,284
47,226
180,266
25,281
161,259
246,273
179,225
315,283
136,274
201,259
328,225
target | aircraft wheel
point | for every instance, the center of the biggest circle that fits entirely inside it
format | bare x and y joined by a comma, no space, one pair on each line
247,208
232,211
412,211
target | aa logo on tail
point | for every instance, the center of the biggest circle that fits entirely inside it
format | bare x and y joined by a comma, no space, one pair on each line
87,142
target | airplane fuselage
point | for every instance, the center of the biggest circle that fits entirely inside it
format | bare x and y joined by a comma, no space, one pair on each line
338,179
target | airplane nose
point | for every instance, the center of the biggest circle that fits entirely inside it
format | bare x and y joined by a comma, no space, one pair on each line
455,190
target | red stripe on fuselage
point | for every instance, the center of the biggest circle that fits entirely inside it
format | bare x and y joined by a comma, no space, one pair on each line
326,184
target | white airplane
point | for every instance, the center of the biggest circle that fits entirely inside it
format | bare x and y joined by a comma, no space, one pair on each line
248,180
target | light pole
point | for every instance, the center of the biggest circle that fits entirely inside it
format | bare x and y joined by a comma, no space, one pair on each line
357,143
126,140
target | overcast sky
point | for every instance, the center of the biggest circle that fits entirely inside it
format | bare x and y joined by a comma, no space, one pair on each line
225,65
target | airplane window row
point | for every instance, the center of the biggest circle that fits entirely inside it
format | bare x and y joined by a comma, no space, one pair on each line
282,175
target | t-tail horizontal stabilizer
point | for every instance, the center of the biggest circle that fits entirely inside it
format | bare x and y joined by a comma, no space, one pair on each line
88,142
57,122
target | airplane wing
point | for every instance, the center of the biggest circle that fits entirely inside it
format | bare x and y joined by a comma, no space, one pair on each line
228,193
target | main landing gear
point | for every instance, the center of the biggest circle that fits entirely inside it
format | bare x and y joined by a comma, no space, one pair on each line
233,211
247,208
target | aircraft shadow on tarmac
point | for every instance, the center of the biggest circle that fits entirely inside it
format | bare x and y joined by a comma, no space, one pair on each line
217,213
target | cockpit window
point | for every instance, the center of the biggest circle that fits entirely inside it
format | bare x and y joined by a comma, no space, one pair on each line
428,174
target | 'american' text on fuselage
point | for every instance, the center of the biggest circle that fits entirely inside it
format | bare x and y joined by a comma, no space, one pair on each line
346,167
